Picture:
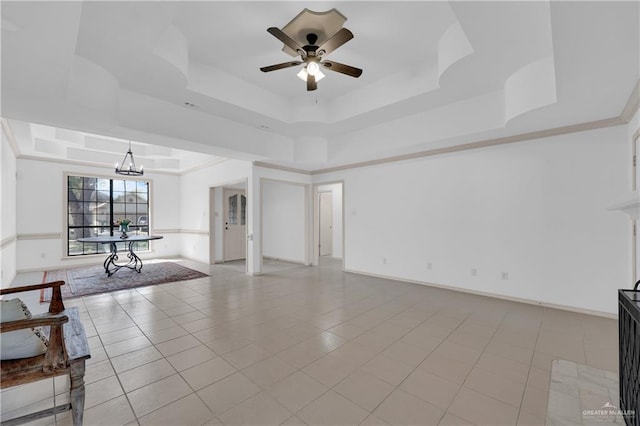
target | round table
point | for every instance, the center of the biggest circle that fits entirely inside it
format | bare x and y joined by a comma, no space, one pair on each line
110,265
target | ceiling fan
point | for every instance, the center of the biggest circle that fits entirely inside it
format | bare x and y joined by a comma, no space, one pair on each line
312,56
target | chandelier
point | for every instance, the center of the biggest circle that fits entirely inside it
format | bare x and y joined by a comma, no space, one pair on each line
131,169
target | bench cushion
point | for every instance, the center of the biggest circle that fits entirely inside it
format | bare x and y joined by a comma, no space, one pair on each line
20,343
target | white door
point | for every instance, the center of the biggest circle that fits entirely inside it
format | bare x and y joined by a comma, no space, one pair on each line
235,224
326,223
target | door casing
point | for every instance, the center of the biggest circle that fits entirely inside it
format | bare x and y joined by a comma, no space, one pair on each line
326,223
235,231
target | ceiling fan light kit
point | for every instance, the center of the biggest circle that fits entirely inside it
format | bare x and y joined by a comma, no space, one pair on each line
303,74
312,55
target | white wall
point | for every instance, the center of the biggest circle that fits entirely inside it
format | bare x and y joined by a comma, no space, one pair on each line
194,203
41,209
283,221
261,174
336,199
535,210
8,242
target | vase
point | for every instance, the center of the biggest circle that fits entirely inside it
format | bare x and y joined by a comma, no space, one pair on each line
124,229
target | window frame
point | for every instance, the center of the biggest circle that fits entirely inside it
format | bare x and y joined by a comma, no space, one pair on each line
65,240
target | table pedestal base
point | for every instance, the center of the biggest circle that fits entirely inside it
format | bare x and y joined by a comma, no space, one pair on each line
110,265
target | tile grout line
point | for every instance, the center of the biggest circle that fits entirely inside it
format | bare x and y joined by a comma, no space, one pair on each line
418,366
165,358
258,317
125,393
472,367
135,416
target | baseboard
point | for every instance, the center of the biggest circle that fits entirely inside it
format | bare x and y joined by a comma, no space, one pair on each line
52,268
332,257
185,258
282,259
494,295
218,262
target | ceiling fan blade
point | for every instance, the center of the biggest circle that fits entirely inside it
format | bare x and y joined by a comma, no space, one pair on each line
280,66
342,68
338,39
311,83
280,35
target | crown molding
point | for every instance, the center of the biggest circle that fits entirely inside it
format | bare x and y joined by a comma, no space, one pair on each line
201,166
590,125
632,105
630,109
102,166
283,168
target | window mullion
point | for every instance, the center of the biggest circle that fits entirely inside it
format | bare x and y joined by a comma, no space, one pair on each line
111,221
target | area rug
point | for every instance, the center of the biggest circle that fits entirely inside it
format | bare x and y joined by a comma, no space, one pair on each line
93,280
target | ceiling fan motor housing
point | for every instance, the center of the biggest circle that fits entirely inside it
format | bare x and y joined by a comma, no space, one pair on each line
312,38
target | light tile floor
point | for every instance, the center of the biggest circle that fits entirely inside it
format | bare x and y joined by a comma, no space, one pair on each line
316,345
583,395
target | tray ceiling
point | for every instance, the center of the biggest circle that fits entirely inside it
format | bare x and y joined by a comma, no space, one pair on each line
185,75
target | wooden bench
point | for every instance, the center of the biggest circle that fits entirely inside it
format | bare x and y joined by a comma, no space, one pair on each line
66,353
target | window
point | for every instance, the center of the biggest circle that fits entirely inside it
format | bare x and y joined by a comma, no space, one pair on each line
232,217
233,209
95,205
243,210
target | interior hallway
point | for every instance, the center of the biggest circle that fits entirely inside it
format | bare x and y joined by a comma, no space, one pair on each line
316,345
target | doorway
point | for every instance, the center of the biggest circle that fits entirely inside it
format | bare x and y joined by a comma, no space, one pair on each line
326,223
234,225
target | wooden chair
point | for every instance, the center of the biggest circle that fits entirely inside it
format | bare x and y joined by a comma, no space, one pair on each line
66,353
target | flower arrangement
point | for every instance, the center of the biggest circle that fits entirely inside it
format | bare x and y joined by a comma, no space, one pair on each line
124,227
124,222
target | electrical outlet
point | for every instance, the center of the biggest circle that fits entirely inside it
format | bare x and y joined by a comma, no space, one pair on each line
474,272
429,266
384,260
505,275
